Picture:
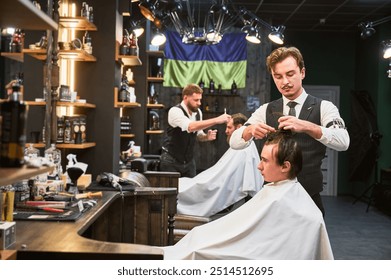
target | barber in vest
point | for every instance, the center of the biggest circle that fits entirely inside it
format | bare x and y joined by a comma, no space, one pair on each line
316,123
185,126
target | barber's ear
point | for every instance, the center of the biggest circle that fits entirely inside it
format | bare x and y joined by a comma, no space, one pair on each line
286,166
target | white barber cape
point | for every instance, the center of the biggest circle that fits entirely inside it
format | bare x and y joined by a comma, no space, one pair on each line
280,223
231,179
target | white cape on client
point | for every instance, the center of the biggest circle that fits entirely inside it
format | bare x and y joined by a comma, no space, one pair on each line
232,178
280,223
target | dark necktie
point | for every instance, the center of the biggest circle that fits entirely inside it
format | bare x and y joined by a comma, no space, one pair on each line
292,111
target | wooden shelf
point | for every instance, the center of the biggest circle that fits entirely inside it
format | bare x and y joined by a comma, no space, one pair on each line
118,104
14,56
155,79
23,14
127,60
77,55
154,131
77,23
127,135
13,175
62,103
39,54
156,53
75,104
66,146
155,106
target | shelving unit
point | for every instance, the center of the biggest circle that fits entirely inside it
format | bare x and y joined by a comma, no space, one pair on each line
153,137
82,146
126,60
23,14
12,175
118,104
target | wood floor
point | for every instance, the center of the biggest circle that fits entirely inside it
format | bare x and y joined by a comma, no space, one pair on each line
354,233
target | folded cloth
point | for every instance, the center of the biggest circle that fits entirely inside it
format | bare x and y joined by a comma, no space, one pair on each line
231,179
281,222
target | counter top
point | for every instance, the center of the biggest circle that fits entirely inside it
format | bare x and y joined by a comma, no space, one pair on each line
64,240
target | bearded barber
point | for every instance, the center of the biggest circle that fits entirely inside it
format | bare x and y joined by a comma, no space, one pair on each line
185,126
316,123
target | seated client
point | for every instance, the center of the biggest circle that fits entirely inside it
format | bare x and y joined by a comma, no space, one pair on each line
231,179
281,222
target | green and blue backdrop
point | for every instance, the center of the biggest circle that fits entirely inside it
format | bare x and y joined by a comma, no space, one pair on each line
224,62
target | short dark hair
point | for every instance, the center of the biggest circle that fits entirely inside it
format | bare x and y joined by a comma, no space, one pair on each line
238,118
288,150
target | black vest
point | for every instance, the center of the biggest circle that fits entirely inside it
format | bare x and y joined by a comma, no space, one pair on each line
311,176
178,143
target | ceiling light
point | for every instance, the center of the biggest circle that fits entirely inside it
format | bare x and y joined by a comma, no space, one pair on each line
147,9
367,29
251,21
277,35
136,28
158,39
253,37
386,49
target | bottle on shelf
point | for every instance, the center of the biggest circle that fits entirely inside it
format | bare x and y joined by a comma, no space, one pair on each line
54,156
202,85
124,47
67,132
124,90
133,48
211,86
60,130
84,10
31,152
219,89
234,88
90,14
87,42
13,129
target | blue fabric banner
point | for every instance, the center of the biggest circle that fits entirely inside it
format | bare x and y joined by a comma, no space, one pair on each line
224,62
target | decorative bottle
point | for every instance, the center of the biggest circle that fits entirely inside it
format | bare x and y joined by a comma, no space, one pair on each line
13,129
234,88
54,156
211,86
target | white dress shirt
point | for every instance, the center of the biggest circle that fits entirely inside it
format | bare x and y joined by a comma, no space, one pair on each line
335,136
176,118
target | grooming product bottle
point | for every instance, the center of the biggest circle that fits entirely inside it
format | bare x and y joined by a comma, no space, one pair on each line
13,129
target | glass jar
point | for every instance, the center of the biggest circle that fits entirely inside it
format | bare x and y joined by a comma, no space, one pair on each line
54,156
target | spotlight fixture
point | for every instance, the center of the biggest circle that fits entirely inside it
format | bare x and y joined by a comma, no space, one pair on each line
158,38
253,22
386,49
367,29
195,26
136,28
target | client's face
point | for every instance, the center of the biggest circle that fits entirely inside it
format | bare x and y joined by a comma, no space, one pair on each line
270,170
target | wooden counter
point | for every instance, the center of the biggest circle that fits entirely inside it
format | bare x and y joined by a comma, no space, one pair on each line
101,232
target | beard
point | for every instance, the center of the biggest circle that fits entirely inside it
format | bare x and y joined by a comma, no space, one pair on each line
192,108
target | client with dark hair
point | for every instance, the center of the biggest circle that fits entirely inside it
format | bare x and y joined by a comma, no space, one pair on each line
280,222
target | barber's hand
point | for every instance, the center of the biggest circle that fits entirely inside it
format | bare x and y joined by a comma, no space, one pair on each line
258,131
292,123
224,118
297,125
212,134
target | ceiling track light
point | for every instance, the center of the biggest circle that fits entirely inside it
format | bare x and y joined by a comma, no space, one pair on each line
276,32
386,49
367,28
221,15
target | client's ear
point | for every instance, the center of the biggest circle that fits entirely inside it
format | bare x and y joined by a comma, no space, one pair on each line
286,166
